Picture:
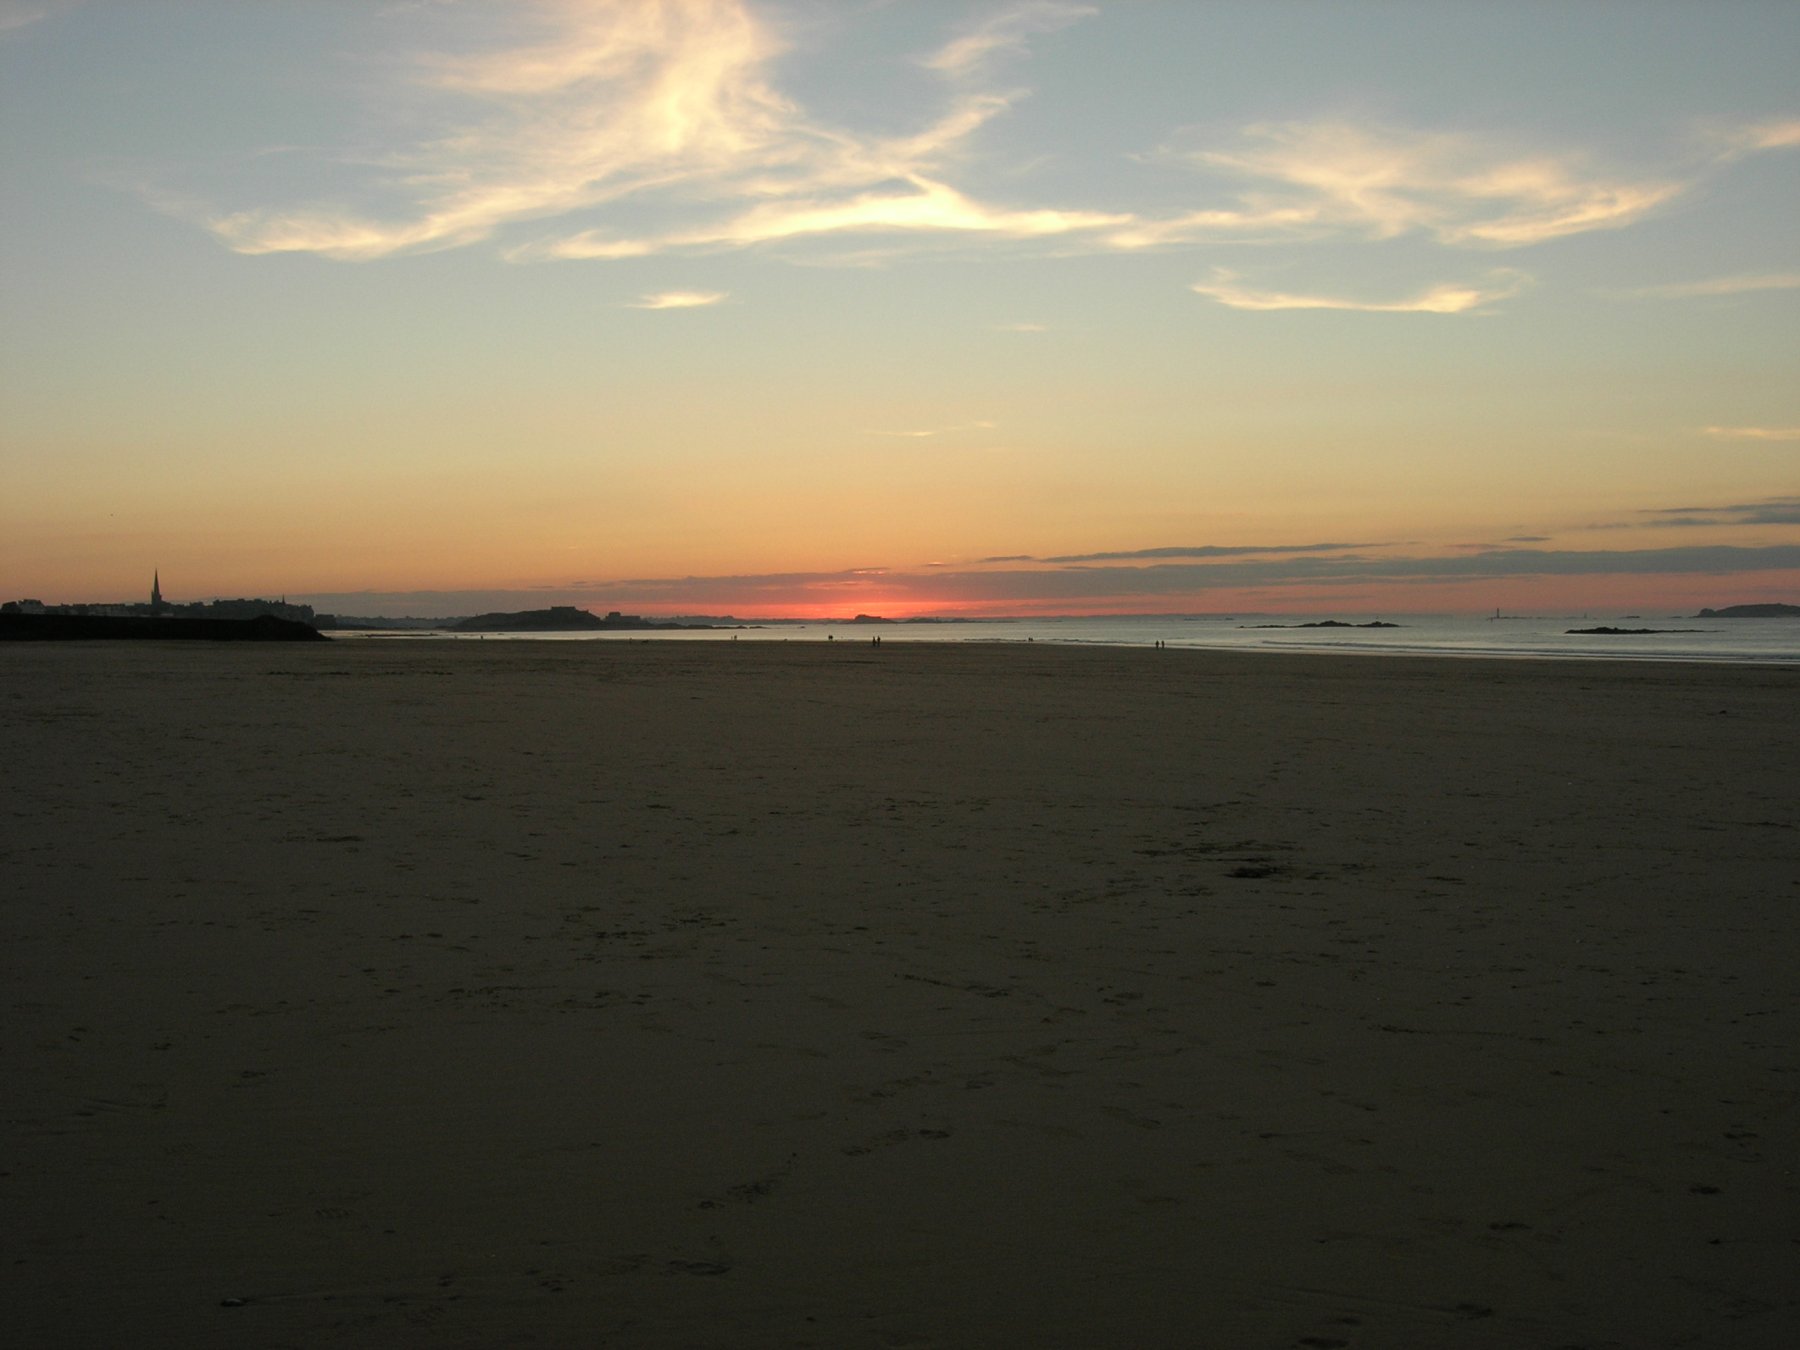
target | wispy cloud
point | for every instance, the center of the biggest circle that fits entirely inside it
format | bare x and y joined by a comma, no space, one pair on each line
928,432
914,203
1195,551
679,300
627,128
1713,286
1753,433
612,99
1385,182
669,102
17,14
1004,33
1445,298
1749,138
1770,511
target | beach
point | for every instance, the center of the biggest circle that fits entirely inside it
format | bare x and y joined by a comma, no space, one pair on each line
826,994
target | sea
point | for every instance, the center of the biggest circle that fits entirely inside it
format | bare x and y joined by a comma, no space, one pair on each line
1737,641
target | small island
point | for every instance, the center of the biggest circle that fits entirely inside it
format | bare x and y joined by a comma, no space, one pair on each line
1771,611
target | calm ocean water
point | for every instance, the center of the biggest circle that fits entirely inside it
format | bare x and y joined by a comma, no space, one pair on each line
1713,640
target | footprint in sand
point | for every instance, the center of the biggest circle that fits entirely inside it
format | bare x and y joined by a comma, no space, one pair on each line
698,1268
891,1138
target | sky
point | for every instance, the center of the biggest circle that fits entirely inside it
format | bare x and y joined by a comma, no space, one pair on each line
902,307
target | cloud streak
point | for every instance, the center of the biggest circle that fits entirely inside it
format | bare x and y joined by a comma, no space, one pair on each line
1333,177
1445,298
1771,511
915,205
1752,433
679,300
17,14
1004,33
1734,142
1191,551
1714,286
926,433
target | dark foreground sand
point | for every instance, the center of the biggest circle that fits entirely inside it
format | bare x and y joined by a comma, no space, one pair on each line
662,994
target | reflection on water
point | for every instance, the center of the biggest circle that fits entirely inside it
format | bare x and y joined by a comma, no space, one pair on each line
1734,640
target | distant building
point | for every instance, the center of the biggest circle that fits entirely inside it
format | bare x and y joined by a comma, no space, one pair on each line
246,609
158,607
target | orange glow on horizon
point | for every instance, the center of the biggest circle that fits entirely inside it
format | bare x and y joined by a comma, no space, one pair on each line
1556,595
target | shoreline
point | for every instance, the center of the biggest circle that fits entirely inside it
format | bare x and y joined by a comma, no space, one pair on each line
654,994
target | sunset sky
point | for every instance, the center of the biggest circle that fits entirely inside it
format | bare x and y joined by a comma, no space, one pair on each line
901,307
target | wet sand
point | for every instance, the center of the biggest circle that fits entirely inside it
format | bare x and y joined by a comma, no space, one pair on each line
763,994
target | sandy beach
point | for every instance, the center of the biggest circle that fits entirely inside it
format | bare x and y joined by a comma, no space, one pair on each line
763,994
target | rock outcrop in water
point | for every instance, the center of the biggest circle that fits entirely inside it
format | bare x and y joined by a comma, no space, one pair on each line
1626,632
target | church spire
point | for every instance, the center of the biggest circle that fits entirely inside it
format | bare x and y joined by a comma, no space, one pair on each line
156,600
